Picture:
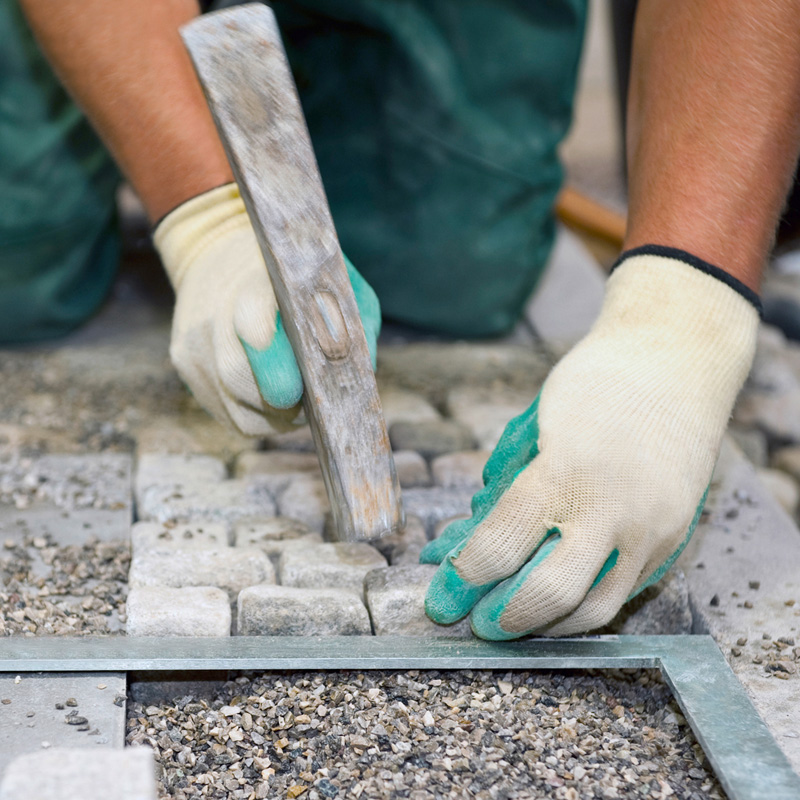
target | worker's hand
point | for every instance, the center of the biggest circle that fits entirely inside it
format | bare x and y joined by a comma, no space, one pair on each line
228,342
593,492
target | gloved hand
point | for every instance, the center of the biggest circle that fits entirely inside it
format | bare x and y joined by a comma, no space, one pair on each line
592,493
228,343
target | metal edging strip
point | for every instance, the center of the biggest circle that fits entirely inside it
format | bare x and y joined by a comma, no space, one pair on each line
745,757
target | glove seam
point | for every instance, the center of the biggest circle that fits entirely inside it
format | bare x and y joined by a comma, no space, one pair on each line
698,263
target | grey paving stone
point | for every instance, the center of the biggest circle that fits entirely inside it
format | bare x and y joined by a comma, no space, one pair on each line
412,469
402,405
156,536
460,470
227,502
277,468
229,568
190,611
662,609
306,500
752,442
177,470
431,438
298,441
436,504
272,536
292,611
396,602
338,565
406,545
781,486
80,774
487,410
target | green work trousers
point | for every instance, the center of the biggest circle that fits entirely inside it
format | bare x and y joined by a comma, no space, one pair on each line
435,124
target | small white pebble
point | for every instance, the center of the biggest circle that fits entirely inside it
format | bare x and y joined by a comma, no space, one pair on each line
45,745
18,679
428,721
101,686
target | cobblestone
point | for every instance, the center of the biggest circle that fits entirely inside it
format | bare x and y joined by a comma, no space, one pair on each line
190,611
430,438
337,565
396,602
272,536
292,611
460,470
412,469
157,537
487,410
229,568
306,500
401,405
404,547
436,504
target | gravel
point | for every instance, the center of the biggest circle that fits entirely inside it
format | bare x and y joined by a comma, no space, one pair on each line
421,735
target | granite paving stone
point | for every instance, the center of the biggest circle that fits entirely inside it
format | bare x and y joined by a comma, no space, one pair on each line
78,774
272,536
189,611
412,469
431,438
338,565
487,410
305,499
396,602
402,405
156,536
229,568
176,470
293,611
661,609
436,504
405,545
460,470
276,469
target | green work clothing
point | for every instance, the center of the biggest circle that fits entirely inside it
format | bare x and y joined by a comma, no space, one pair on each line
435,124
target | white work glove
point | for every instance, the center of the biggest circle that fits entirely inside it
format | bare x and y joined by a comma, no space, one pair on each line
228,342
593,492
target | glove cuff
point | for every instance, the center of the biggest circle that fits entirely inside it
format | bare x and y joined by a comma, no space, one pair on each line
194,225
704,266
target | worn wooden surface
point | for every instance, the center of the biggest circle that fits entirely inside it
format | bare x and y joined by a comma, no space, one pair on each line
242,66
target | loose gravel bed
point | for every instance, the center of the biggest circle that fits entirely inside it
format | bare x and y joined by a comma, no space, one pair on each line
425,735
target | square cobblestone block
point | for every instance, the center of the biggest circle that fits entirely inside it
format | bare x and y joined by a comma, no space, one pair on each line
431,438
412,469
230,568
306,500
191,611
297,441
272,536
402,405
276,469
81,773
339,565
176,470
396,603
155,536
460,470
436,504
486,411
291,611
406,545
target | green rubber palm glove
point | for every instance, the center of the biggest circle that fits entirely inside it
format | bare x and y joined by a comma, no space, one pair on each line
228,342
593,492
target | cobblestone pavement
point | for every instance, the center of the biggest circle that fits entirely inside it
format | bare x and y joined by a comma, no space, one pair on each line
426,735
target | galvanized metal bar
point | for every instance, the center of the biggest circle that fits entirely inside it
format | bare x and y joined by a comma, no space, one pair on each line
741,750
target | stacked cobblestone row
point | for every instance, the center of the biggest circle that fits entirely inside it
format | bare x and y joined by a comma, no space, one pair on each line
249,551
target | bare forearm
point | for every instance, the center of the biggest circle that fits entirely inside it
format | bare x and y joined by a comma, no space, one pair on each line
125,65
714,127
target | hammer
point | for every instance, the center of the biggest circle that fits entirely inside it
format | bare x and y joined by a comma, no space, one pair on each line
241,63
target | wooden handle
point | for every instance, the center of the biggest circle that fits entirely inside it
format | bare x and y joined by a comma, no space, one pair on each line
242,67
579,211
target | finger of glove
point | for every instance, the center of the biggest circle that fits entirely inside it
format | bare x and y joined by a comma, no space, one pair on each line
369,308
550,586
455,534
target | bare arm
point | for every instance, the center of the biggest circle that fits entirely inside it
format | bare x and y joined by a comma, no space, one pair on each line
714,127
125,65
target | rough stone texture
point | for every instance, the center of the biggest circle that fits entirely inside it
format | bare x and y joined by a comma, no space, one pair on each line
272,536
661,609
487,410
306,500
155,536
176,470
291,611
401,405
436,504
80,774
339,565
782,487
460,470
276,469
396,603
298,441
412,469
191,611
404,547
431,438
230,568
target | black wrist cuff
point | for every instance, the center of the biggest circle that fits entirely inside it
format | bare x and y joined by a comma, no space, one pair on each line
697,263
